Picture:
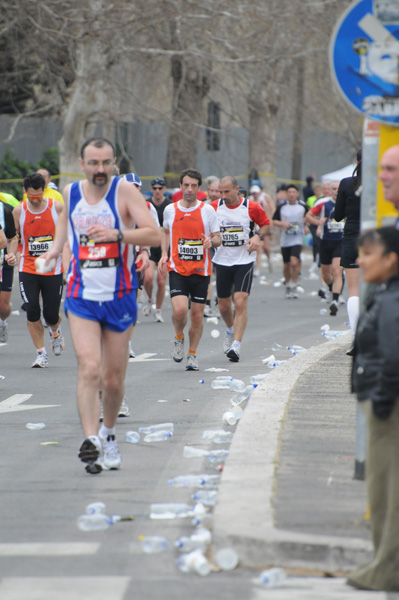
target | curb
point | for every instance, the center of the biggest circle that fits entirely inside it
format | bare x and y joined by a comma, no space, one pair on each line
243,515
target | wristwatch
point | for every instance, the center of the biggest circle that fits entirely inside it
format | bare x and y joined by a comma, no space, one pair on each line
145,250
261,237
120,236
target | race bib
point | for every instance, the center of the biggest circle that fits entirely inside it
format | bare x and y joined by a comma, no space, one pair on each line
335,227
190,249
293,229
39,245
232,235
97,256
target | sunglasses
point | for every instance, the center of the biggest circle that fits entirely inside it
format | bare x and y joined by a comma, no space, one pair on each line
157,188
36,196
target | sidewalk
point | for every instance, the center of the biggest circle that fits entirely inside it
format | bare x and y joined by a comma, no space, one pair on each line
288,496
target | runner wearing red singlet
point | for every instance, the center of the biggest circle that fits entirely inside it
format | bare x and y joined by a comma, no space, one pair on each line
35,221
190,230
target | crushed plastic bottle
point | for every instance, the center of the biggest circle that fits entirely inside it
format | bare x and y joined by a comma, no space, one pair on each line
35,426
200,540
212,320
229,418
237,412
190,481
171,511
95,507
296,349
237,385
132,437
325,327
275,363
221,383
206,497
257,378
268,359
158,436
205,521
153,544
95,522
272,578
332,335
218,437
159,427
194,562
323,311
276,347
238,399
226,559
191,452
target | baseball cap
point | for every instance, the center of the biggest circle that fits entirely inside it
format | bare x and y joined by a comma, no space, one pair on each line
158,181
133,178
257,182
254,189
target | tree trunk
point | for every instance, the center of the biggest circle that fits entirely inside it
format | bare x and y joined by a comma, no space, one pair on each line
298,131
262,139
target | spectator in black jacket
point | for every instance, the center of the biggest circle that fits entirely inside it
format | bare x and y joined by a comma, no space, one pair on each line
375,380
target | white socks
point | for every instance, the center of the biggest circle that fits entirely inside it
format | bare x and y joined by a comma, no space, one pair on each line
352,307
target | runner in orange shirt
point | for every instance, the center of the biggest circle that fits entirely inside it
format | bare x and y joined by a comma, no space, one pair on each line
191,229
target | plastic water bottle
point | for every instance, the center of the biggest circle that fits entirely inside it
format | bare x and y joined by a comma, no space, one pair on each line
296,349
132,437
221,383
229,418
159,427
257,378
217,455
219,437
193,562
323,311
206,497
205,520
191,452
171,511
325,327
272,578
200,540
153,544
236,385
94,522
158,436
276,347
237,412
204,481
226,559
35,426
95,507
268,359
276,363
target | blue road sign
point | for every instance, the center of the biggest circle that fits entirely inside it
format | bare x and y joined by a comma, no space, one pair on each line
364,57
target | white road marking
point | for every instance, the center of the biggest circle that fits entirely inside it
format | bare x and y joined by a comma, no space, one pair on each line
50,549
147,356
63,588
12,404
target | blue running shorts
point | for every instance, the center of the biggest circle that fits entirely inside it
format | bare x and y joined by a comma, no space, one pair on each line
116,315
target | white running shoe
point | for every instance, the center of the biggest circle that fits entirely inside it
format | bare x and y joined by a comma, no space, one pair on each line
132,353
157,316
192,363
288,292
57,342
178,350
208,312
228,340
294,292
234,352
4,332
147,308
124,410
111,459
90,452
41,361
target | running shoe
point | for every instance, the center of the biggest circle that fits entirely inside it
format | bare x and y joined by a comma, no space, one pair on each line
288,292
4,332
178,350
124,410
41,361
234,352
111,459
322,293
132,353
228,340
208,312
256,272
90,452
147,308
57,342
192,363
350,351
294,292
333,308
157,316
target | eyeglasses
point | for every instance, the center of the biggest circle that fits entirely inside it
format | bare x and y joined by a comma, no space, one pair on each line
157,188
104,163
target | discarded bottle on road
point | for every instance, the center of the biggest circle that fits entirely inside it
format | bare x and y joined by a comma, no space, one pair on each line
276,347
194,562
296,349
237,412
213,320
132,437
94,522
159,427
200,540
158,436
204,480
217,455
95,507
275,363
257,378
219,437
205,520
171,511
236,385
191,452
229,418
35,426
221,383
226,559
272,578
153,544
206,497
323,311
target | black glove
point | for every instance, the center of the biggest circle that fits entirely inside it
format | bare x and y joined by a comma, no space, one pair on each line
382,409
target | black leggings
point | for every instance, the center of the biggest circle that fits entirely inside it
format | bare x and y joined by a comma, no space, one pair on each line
50,287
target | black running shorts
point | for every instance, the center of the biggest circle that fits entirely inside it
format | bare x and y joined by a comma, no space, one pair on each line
237,277
193,286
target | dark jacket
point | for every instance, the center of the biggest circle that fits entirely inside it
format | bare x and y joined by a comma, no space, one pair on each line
375,370
347,206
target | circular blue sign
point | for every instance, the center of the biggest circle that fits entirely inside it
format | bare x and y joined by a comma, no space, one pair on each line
364,57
